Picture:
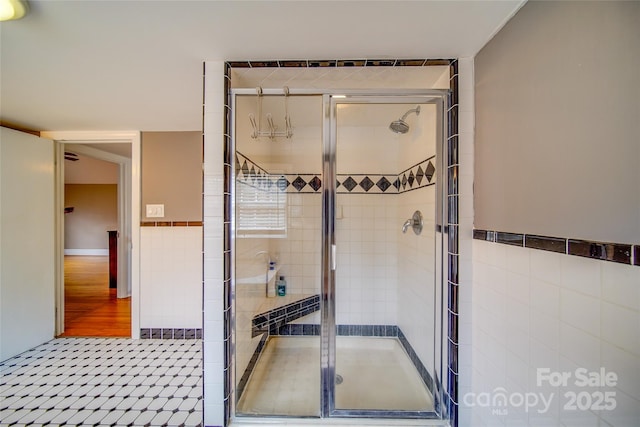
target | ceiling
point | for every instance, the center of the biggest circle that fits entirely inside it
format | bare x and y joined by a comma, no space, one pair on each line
137,65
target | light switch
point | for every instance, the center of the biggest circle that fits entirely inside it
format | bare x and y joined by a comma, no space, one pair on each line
155,211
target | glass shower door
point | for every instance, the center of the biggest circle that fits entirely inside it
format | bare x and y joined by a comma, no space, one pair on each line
384,152
277,233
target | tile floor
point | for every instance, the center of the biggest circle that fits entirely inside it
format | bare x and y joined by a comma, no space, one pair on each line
104,382
376,373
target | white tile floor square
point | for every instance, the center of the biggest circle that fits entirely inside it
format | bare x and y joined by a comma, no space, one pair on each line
104,382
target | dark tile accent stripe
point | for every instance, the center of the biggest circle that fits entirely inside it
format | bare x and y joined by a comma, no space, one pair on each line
489,236
298,329
615,252
622,253
227,144
271,321
417,363
302,63
552,244
367,330
171,224
453,297
411,63
252,364
351,63
450,409
171,333
510,239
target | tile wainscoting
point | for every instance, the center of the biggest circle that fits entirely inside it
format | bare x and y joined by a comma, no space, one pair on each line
549,309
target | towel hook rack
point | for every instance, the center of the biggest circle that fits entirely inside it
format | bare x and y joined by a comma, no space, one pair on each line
272,132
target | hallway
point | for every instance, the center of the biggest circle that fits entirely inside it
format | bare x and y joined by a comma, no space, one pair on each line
91,308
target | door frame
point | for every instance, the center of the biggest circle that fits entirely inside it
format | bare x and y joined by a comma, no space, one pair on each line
128,214
438,97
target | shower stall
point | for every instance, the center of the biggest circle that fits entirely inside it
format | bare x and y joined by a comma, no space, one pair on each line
337,250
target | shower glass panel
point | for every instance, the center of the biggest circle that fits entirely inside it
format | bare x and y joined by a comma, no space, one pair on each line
338,195
277,234
385,281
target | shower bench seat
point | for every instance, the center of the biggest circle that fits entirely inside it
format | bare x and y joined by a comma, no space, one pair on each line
277,312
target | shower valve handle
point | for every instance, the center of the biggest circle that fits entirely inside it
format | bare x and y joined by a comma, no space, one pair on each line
415,222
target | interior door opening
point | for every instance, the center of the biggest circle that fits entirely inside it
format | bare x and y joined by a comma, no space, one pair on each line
122,148
94,304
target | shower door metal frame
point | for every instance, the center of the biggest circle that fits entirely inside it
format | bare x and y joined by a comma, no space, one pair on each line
329,261
331,98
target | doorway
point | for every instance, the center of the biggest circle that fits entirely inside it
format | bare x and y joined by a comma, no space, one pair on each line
93,304
328,217
100,145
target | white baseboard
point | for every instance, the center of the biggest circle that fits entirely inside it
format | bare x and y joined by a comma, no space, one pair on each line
90,252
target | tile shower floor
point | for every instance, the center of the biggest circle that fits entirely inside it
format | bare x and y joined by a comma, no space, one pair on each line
376,374
104,381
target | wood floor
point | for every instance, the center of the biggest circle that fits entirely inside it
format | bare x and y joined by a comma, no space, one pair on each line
91,309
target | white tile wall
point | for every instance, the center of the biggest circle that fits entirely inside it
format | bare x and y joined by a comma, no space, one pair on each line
571,325
416,272
299,254
366,274
213,236
170,277
465,230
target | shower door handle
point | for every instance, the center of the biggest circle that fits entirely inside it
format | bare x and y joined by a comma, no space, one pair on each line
333,257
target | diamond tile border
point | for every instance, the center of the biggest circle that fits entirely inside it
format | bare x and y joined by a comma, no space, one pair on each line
418,176
249,173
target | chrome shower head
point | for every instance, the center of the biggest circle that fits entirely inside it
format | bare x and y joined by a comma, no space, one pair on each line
400,126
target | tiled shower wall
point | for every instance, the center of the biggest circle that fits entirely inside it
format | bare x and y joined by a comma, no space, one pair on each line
366,273
416,279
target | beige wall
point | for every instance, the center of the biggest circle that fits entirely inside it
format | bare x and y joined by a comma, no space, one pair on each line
95,212
172,174
558,123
